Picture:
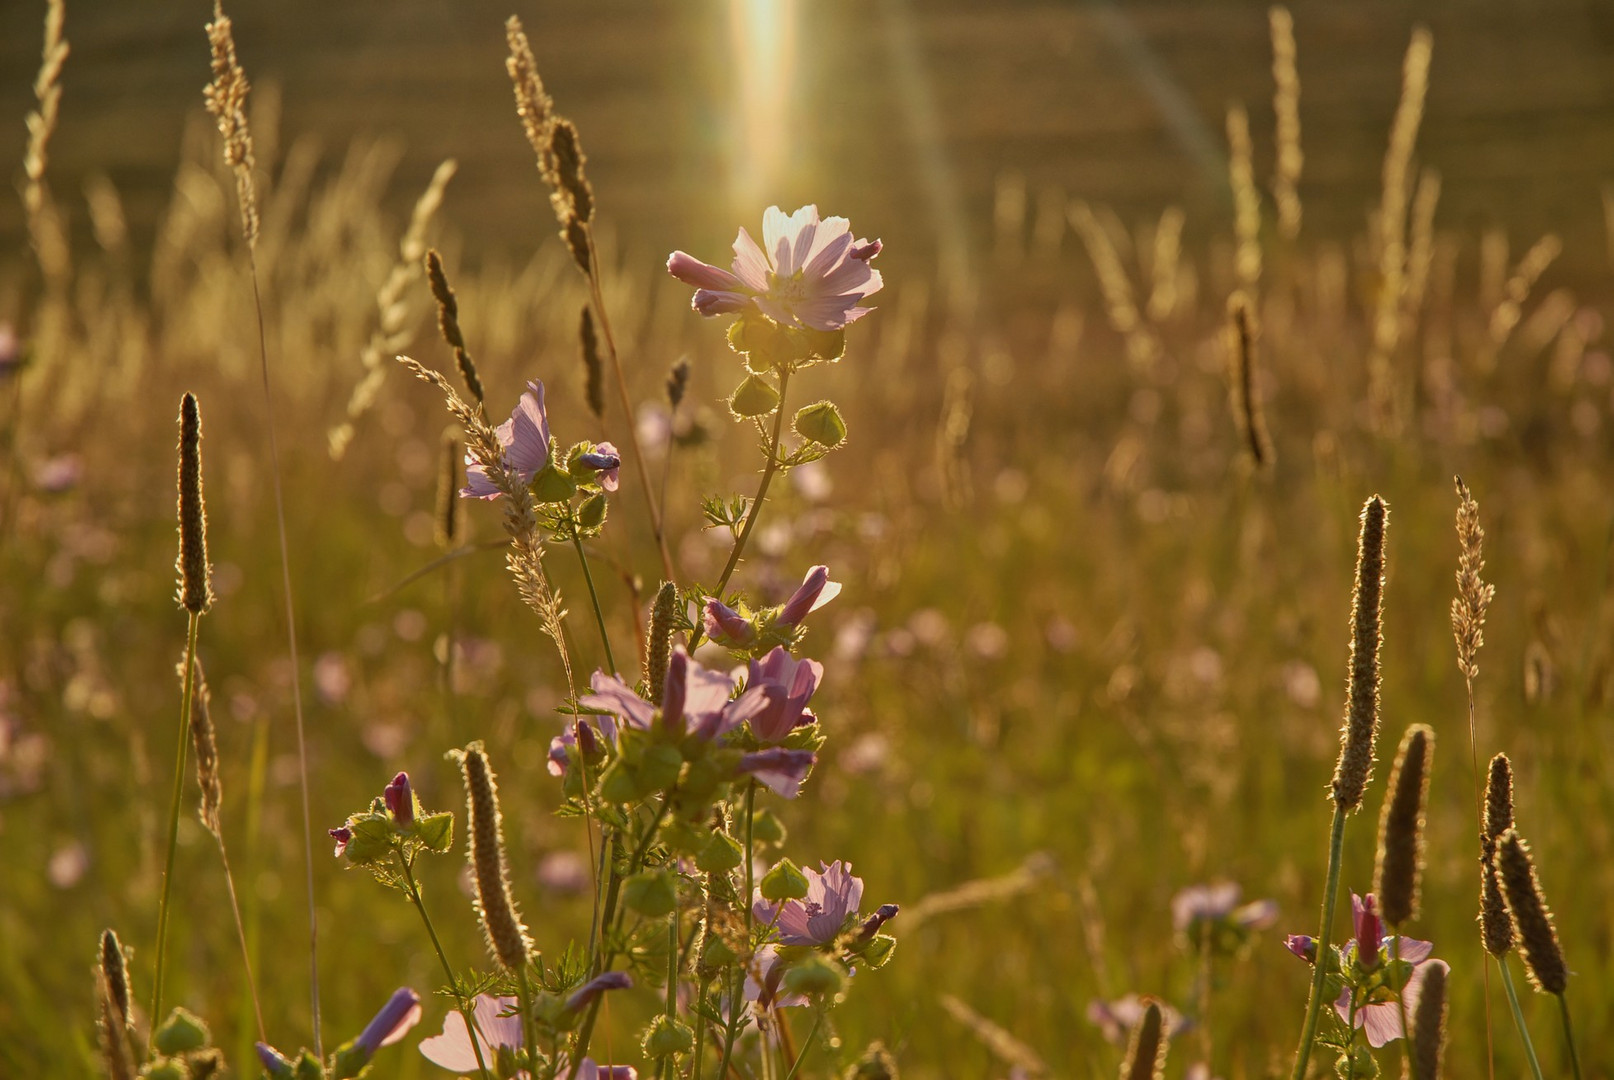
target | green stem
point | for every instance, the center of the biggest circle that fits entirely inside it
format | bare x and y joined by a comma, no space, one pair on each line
173,813
736,983
672,965
1336,852
1400,1000
818,1019
1518,1018
448,969
1350,1039
593,596
529,1033
762,488
700,1028
1569,1034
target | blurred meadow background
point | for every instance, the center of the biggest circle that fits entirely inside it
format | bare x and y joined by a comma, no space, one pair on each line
1088,654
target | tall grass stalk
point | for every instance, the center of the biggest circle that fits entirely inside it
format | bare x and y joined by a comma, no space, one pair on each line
1336,848
1518,1018
1569,1034
173,813
226,100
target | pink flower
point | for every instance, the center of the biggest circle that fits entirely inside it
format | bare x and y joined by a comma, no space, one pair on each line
453,1050
726,626
400,800
789,684
606,462
808,273
780,770
832,898
525,438
815,591
1380,1021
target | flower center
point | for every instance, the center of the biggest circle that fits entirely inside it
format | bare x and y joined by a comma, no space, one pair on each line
814,909
787,290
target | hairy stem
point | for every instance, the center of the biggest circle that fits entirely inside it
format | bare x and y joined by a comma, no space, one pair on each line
448,969
762,488
173,814
1336,851
812,1033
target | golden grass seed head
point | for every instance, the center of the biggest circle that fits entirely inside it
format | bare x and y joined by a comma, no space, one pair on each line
1401,828
1532,920
678,382
593,368
658,642
114,1042
1498,798
448,322
533,104
1361,724
204,741
195,585
1496,929
1246,398
1146,1052
1473,594
574,196
577,242
226,98
446,520
501,923
1429,1024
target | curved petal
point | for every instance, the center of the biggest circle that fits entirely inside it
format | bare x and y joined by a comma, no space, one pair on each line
750,264
711,302
830,243
691,271
528,449
452,1049
1412,950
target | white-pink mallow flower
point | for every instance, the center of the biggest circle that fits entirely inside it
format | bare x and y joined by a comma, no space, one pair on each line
807,274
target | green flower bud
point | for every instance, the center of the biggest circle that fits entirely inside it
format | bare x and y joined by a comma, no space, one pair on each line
659,767
309,1068
667,1036
721,854
821,423
1357,1062
878,951
815,977
753,397
766,828
651,893
784,882
715,955
553,485
620,784
591,515
685,837
166,1069
181,1033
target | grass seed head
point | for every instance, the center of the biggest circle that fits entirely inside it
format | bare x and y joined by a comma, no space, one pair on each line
195,585
115,976
1146,1053
1401,841
1532,919
205,742
1429,1024
501,923
446,525
658,643
1496,929
1473,594
1362,709
593,367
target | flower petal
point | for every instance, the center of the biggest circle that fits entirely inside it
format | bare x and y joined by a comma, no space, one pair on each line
691,271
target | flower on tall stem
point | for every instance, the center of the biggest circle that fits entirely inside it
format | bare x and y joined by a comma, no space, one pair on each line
498,1028
833,896
809,273
788,684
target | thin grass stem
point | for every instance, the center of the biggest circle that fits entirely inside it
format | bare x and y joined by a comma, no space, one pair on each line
1569,1034
812,1033
1336,850
241,933
173,814
291,646
593,595
597,301
1518,1018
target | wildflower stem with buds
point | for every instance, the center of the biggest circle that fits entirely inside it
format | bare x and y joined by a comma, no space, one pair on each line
762,488
406,864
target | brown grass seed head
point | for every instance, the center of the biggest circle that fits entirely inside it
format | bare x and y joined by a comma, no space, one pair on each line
1401,829
1532,919
448,322
1146,1053
195,573
1429,1025
1496,928
593,367
658,642
115,975
204,741
446,520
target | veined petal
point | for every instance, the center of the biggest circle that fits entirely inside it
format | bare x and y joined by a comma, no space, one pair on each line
711,302
750,264
827,251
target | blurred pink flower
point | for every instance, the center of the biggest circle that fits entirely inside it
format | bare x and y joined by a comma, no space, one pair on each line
525,438
808,273
453,1049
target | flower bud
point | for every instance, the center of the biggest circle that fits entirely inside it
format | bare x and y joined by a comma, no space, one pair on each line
815,977
181,1033
766,828
667,1036
170,1069
784,882
553,485
753,397
651,893
591,515
721,854
726,626
400,800
821,423
815,590
276,1066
